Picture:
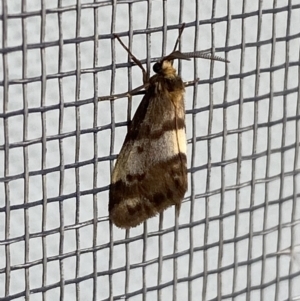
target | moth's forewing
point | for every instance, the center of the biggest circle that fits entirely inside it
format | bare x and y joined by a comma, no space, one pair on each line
150,173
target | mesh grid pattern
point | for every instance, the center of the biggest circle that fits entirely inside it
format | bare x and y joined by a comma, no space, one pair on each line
238,234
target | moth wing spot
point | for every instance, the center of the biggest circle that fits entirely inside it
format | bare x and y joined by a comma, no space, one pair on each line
177,182
129,178
158,198
140,149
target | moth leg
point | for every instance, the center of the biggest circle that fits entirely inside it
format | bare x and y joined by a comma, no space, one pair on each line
139,91
135,60
191,83
136,91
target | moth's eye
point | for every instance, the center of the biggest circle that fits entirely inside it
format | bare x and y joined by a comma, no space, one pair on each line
157,67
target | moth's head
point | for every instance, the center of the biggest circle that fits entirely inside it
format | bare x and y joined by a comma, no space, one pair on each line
167,62
162,66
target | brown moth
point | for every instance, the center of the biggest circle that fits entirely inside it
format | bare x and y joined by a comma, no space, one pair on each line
150,173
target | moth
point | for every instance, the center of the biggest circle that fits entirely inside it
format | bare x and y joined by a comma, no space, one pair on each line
150,173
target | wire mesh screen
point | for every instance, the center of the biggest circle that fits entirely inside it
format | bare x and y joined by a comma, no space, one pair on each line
237,235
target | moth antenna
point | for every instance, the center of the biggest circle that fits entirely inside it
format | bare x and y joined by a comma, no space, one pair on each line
197,54
135,60
204,55
176,55
179,36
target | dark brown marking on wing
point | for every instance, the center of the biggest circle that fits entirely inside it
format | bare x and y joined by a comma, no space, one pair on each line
138,177
164,185
138,117
146,132
169,125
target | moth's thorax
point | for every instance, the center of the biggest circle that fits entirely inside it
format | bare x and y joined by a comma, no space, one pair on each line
168,70
166,81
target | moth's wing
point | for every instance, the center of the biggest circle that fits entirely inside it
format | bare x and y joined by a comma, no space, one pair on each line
150,173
